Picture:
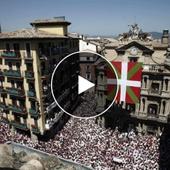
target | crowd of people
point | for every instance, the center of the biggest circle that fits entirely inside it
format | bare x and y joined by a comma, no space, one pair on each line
87,143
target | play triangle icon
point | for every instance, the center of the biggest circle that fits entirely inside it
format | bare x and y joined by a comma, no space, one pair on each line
84,85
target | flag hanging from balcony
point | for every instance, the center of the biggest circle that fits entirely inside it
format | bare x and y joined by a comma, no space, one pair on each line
129,81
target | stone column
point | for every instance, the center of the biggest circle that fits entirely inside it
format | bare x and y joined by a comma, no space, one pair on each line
161,108
137,107
141,105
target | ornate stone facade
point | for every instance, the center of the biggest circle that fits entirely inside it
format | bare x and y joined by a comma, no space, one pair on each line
153,111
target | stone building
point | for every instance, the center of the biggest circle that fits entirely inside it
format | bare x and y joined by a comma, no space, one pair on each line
28,57
153,111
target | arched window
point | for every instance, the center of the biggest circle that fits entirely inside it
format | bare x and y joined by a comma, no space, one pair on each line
145,82
166,84
152,109
164,105
143,102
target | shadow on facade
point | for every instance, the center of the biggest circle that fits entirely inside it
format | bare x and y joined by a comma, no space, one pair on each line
164,149
117,117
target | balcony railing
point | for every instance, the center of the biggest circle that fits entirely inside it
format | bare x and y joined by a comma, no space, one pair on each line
31,93
19,125
12,73
9,54
17,109
33,112
15,92
155,91
153,68
29,74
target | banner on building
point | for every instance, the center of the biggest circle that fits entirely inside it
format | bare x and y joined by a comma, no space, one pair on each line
129,81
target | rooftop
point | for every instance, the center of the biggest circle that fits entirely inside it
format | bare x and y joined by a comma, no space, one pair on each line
54,21
29,34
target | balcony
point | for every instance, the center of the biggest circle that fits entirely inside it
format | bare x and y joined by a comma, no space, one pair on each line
17,109
153,68
31,93
11,55
15,92
29,74
34,113
19,125
12,73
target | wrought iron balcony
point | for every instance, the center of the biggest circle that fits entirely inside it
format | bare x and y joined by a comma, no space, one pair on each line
34,113
12,73
19,125
31,93
17,109
153,68
15,91
11,55
29,74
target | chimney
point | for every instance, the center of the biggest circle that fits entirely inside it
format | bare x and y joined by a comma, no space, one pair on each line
165,37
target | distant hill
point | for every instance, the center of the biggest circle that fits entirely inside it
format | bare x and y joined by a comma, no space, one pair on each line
156,35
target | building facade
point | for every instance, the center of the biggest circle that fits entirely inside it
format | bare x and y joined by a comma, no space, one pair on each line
153,111
27,60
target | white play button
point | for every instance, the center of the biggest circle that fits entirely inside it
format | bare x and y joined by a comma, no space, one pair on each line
84,84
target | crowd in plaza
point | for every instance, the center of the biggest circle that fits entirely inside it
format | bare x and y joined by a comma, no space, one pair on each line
87,143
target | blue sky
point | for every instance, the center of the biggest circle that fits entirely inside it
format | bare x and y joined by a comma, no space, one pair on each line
94,17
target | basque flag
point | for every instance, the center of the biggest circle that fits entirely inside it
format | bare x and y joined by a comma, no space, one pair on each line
129,81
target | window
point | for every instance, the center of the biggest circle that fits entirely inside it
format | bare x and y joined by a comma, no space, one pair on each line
12,83
28,49
22,104
32,104
164,106
145,82
155,87
16,47
17,118
152,109
18,66
87,58
7,47
143,102
133,59
10,65
14,102
88,76
166,84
